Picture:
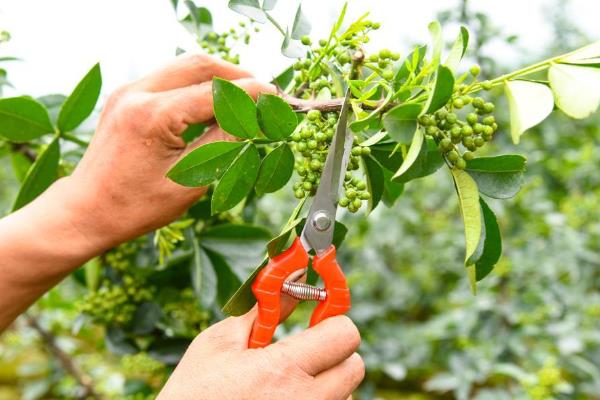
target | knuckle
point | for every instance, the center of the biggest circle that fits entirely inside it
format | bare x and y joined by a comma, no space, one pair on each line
348,331
200,61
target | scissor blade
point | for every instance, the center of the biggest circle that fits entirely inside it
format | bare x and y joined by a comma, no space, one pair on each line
337,159
332,179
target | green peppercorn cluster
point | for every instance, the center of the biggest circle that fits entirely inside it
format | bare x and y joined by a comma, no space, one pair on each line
185,317
116,302
121,258
221,44
310,76
311,143
382,63
459,134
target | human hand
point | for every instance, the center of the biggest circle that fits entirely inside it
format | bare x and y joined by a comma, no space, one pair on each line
318,363
120,183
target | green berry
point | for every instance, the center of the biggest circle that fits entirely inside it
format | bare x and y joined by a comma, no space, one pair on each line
451,118
321,137
452,155
357,203
365,196
486,85
296,136
348,177
472,118
385,53
388,74
305,40
445,144
313,115
458,103
488,130
478,102
395,56
299,194
382,64
468,142
488,107
365,151
478,128
312,144
424,120
466,130
307,186
301,146
351,194
356,151
460,164
344,201
431,131
479,141
376,25
468,156
323,42
455,132
475,70
441,113
315,165
373,58
361,185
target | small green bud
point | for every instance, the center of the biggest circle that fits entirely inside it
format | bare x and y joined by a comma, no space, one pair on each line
357,203
478,128
296,136
315,165
323,42
305,40
365,151
376,25
475,70
488,107
486,85
388,74
472,118
451,118
395,56
373,58
479,141
445,144
312,144
307,185
466,131
299,194
468,142
351,194
488,130
348,177
344,201
382,63
356,151
365,196
301,146
361,185
456,132
431,131
489,120
478,102
321,137
385,53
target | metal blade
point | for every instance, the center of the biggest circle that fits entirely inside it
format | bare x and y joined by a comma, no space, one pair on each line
318,230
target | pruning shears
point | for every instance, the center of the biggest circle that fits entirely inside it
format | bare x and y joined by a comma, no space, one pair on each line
317,235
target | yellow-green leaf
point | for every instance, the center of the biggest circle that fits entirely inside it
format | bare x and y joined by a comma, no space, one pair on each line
413,153
576,89
529,104
470,209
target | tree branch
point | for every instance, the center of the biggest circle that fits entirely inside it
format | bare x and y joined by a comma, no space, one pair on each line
65,360
304,105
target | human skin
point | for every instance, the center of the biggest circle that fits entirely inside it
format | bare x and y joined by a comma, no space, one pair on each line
118,192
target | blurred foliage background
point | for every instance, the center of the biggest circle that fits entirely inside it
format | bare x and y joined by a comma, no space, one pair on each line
532,332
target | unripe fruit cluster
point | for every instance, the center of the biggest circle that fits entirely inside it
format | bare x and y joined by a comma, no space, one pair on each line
383,60
311,143
141,364
221,44
450,131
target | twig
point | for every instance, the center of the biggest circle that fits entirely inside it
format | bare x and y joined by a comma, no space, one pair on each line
67,363
25,150
303,105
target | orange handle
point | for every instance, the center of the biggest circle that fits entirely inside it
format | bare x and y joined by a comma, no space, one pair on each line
267,290
338,295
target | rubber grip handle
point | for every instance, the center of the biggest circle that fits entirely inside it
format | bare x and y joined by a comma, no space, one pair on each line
338,295
267,290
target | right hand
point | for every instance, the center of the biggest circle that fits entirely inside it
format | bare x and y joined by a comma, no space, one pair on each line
318,363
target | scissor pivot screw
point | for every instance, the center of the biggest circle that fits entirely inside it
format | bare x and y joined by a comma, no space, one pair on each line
321,221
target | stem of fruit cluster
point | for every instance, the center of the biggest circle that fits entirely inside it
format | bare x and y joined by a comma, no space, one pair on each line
275,23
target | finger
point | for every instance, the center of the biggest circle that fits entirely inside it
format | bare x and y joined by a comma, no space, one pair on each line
339,382
320,347
190,69
194,104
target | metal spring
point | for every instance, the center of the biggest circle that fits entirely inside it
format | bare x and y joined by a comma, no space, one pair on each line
302,291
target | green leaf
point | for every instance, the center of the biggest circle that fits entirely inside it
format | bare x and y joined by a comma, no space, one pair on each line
529,104
40,176
412,154
275,170
576,89
227,280
203,275
283,80
391,190
276,118
291,48
235,111
408,65
268,5
249,8
23,119
401,121
277,244
375,183
468,198
205,164
237,181
146,315
81,102
499,177
20,164
199,21
193,131
386,155
492,247
459,48
376,138
435,30
442,90
241,246
427,162
301,24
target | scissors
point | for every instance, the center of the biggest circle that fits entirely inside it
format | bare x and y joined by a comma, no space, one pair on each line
316,235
